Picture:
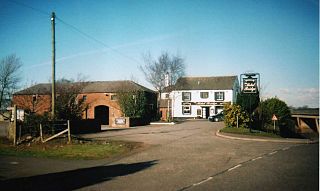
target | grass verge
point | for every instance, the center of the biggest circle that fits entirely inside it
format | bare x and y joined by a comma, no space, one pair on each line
246,131
77,150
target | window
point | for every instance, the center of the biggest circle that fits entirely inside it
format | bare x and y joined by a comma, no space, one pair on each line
186,96
114,97
84,98
198,112
167,96
204,95
34,98
186,109
219,96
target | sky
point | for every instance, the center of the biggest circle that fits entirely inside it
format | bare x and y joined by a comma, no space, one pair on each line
105,40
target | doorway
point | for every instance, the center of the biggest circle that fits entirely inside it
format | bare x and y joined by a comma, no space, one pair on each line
205,112
101,113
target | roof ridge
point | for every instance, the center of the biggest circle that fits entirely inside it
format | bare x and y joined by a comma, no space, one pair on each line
208,76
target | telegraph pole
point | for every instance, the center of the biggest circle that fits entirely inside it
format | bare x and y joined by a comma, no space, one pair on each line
53,92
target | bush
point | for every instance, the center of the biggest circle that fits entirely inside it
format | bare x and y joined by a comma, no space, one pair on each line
275,106
31,123
231,111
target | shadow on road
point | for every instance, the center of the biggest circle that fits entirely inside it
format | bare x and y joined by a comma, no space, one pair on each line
74,179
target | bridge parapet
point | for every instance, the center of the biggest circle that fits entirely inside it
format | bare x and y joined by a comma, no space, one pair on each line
307,120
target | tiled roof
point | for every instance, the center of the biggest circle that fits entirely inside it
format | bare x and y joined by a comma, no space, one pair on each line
206,83
89,87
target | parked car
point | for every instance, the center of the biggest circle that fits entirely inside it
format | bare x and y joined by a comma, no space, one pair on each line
217,117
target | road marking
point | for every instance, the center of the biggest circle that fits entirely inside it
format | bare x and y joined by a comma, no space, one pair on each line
234,167
286,148
272,153
14,163
256,158
206,180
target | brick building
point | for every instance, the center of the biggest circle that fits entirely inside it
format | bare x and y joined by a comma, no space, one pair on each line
101,97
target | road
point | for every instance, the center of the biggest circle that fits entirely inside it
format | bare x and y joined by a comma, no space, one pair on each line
187,156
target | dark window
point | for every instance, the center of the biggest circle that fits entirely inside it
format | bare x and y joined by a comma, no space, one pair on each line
186,96
204,95
34,98
198,112
186,109
114,97
219,96
167,96
84,98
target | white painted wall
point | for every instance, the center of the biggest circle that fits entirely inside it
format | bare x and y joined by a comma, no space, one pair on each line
229,96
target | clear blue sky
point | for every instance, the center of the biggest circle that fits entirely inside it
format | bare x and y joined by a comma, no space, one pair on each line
277,38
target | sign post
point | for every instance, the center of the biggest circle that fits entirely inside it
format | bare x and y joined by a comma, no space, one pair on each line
274,119
250,84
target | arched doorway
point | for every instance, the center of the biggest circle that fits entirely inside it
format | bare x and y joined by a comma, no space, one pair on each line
101,113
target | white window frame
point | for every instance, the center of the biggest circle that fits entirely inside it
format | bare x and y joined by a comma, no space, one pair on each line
204,93
184,95
219,96
186,109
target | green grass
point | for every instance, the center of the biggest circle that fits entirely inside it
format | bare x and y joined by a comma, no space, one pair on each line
92,150
246,131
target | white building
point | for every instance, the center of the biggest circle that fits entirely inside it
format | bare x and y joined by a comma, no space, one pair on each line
200,97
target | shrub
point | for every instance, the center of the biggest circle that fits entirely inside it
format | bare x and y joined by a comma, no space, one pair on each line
31,123
231,112
275,106
133,103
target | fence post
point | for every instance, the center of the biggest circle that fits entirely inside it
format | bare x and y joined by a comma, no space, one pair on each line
69,133
41,137
14,124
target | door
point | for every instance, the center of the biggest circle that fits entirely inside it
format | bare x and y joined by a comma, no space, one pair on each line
205,112
101,113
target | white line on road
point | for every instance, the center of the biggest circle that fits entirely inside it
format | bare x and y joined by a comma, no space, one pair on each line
256,158
234,167
196,184
274,152
286,148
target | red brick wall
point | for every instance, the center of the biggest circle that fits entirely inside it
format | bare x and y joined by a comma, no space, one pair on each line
43,104
96,99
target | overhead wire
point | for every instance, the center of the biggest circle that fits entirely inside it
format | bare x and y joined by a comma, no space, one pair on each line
96,40
30,7
76,29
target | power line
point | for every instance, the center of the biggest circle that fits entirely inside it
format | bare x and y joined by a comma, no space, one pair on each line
30,7
96,40
76,29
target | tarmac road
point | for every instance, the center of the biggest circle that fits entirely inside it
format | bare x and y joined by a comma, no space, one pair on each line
179,157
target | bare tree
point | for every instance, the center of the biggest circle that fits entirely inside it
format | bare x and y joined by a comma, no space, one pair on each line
167,66
70,103
9,78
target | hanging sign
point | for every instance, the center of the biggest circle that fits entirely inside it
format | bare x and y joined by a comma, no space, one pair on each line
249,85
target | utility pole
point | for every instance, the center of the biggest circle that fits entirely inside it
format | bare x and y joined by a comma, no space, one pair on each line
53,92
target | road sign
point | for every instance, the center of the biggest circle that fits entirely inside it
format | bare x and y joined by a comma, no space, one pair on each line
274,118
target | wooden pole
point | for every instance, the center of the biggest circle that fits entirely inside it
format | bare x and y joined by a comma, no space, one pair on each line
41,137
69,133
14,124
53,91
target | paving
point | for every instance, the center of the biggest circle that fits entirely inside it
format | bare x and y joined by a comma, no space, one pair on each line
175,157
